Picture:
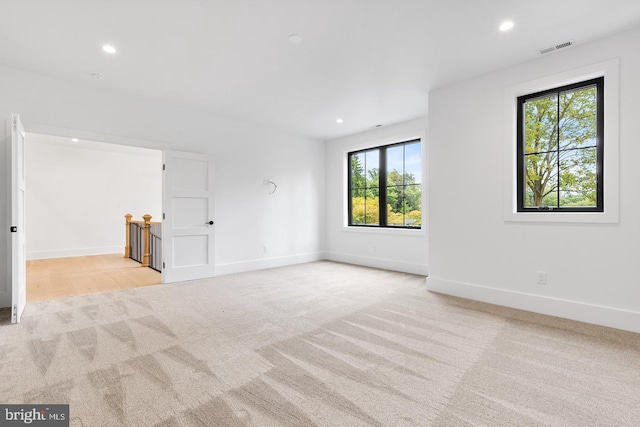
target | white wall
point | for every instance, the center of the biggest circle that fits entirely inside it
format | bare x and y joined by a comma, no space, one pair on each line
256,229
475,253
401,250
78,193
91,111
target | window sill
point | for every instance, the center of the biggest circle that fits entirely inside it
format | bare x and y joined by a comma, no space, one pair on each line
387,231
563,217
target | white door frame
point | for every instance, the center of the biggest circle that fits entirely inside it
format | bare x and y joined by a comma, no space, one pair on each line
17,253
65,133
98,137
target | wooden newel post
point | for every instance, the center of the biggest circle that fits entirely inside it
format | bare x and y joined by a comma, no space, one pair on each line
127,232
147,232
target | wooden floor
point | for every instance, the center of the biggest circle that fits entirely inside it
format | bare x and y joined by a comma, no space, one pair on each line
55,278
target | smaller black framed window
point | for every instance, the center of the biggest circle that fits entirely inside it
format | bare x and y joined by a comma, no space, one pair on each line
560,149
385,186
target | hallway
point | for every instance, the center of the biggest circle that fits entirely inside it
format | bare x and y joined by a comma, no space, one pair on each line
56,278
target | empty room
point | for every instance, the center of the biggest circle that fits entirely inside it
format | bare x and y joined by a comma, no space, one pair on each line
365,212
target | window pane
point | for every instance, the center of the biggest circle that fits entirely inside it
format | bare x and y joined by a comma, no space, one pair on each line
357,170
412,163
413,205
404,207
551,199
372,168
541,119
395,165
357,206
395,206
577,119
395,185
578,177
541,180
372,206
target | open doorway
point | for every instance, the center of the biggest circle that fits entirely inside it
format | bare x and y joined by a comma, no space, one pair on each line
78,194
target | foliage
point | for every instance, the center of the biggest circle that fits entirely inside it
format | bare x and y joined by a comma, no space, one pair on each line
365,211
404,197
560,153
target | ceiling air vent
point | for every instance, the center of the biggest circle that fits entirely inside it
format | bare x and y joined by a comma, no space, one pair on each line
556,47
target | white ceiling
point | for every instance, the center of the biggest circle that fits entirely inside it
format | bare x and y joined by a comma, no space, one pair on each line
369,62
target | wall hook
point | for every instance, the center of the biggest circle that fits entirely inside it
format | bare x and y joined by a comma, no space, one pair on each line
275,187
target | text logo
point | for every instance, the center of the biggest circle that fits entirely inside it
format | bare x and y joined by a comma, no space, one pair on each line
35,415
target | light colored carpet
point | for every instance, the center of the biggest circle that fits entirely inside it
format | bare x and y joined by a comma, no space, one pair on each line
323,344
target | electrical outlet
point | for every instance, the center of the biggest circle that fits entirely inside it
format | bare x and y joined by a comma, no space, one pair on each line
542,277
264,248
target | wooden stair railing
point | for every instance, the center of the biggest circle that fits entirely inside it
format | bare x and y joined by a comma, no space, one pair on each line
138,245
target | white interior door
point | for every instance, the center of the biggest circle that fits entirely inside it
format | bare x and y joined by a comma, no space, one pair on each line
187,226
18,247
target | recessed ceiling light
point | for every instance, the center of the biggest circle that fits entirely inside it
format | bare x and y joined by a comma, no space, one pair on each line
506,26
339,121
109,48
75,139
295,39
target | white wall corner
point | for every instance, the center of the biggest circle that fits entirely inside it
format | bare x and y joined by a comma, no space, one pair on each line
385,264
588,313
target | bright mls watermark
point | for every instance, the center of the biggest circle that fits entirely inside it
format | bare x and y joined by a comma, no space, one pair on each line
37,415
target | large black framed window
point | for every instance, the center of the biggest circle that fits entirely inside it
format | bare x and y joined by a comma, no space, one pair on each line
560,149
385,186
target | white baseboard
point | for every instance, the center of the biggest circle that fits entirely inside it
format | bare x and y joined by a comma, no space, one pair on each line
65,253
588,313
259,264
387,264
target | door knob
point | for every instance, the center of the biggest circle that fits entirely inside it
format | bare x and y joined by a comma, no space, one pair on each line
210,223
